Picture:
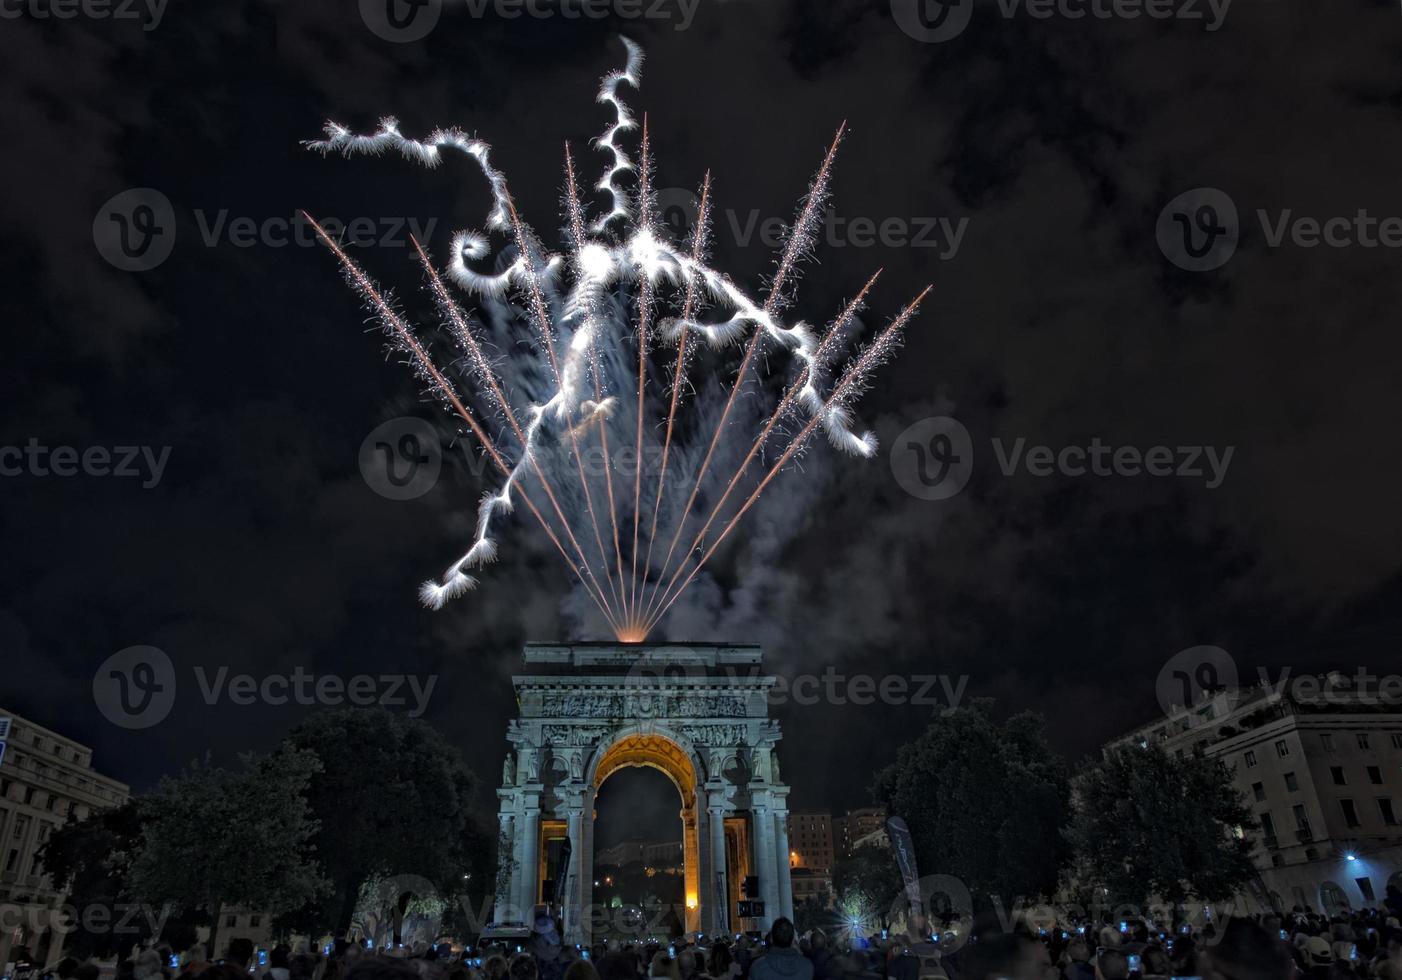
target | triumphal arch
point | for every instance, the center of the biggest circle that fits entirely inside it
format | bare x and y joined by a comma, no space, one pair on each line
697,712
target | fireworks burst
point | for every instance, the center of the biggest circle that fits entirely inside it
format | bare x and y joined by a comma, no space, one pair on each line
558,415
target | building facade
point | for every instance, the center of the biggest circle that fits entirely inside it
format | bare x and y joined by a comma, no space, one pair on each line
1319,760
859,828
810,841
45,779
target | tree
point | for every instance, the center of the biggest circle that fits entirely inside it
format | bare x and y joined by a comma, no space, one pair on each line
985,803
391,798
211,837
1150,825
865,884
90,861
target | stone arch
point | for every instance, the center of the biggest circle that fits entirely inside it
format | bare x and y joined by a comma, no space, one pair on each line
653,747
698,713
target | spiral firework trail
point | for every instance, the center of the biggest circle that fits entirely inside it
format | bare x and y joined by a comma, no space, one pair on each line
577,389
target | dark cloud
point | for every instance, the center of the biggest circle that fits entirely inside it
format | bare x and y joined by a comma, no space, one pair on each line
1057,320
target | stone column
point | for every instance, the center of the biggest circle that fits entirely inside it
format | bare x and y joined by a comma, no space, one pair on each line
718,884
765,865
781,828
586,865
576,888
506,883
530,859
691,870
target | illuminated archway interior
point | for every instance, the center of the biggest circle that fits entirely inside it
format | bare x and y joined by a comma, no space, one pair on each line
661,753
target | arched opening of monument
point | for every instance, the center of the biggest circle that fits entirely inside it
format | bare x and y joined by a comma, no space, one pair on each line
639,867
625,763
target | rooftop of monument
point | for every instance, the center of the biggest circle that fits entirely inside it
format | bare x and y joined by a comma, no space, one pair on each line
612,657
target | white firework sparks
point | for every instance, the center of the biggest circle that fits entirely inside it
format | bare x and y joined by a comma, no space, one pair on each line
587,349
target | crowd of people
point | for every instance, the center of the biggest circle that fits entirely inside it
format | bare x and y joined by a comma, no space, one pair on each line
1299,945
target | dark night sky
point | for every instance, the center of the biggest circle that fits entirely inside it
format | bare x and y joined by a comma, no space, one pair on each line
1058,319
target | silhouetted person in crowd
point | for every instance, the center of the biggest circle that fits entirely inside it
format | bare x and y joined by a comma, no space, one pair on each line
782,961
240,952
1111,964
380,968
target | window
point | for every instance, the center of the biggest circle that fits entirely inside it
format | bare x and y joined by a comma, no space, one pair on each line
1259,789
1350,812
1282,749
230,921
1375,775
13,860
1397,740
254,921
1337,772
1291,783
1366,887
1385,808
1250,759
1327,741
1268,827
1362,740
